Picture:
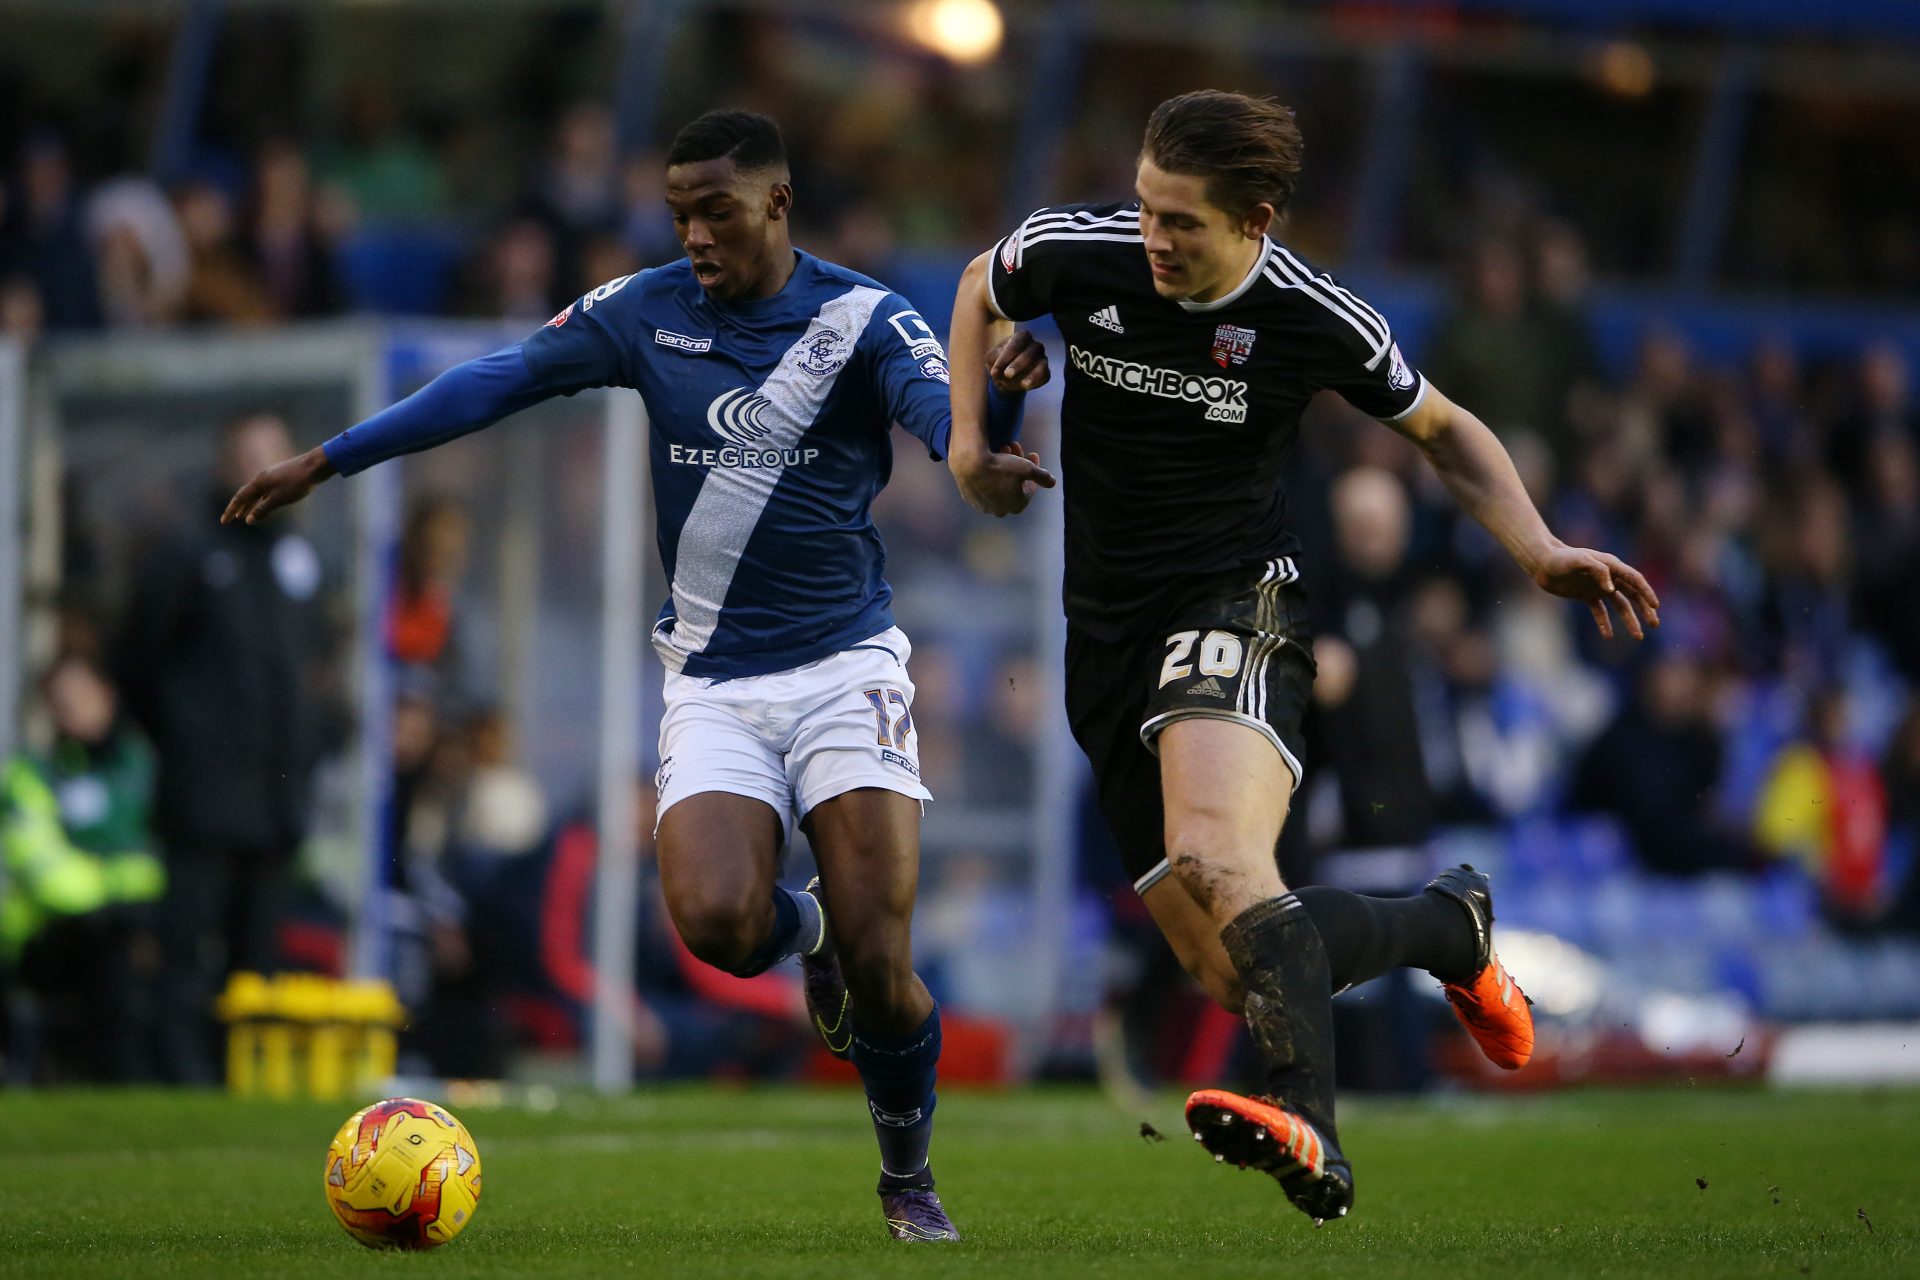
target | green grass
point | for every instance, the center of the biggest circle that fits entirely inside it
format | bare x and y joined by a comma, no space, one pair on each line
701,1182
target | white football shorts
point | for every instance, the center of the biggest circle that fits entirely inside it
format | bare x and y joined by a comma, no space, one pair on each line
795,738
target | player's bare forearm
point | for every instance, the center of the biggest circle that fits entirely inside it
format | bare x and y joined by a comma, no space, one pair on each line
975,328
997,483
280,485
1475,467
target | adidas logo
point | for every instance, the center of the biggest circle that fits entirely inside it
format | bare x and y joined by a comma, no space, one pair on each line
1108,318
1208,688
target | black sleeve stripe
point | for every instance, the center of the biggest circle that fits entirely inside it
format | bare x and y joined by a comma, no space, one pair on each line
1368,335
1327,280
1337,294
1366,323
1323,287
1046,224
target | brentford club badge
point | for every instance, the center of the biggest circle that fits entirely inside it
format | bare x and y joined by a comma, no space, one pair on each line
1232,345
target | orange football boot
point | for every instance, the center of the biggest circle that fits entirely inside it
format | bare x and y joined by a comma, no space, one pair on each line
1260,1133
1493,1009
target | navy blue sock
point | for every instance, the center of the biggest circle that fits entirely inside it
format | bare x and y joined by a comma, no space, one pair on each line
797,927
898,1073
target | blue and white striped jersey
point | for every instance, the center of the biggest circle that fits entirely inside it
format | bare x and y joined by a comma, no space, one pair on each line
770,439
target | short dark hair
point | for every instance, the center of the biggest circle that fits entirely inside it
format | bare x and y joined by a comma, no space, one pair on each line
750,140
1248,149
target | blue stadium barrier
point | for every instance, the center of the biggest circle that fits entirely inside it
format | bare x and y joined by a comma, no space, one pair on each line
1759,936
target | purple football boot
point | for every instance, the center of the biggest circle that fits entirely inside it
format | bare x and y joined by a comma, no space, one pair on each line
916,1214
825,988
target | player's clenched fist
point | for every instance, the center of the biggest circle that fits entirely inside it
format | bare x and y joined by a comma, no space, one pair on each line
1019,364
280,485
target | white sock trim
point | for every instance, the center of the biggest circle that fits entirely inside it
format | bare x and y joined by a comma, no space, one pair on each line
811,914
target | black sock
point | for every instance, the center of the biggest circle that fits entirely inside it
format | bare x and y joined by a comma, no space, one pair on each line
1283,969
1365,937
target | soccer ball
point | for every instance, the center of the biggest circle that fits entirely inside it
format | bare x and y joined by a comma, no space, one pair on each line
403,1174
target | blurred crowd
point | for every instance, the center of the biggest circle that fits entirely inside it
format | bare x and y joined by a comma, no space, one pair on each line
290,233
1775,507
326,173
392,204
150,837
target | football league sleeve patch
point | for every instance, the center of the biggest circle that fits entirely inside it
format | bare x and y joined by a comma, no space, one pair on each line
1020,275
581,347
1360,357
910,374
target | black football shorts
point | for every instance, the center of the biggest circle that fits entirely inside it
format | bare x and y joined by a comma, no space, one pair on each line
1235,648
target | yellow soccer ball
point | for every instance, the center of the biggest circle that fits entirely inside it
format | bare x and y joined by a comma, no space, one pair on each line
403,1174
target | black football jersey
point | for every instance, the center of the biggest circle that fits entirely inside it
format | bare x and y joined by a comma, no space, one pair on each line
1177,416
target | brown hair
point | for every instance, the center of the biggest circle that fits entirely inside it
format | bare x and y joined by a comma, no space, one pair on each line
1248,149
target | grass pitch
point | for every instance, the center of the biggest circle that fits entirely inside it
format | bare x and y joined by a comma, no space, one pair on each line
704,1182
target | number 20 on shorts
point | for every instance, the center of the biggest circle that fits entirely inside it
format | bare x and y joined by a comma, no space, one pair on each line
1220,655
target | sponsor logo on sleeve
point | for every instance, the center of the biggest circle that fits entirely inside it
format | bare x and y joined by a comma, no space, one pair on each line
1009,251
917,334
935,367
560,319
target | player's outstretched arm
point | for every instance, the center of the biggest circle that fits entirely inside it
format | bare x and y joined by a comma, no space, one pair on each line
462,400
998,483
1475,467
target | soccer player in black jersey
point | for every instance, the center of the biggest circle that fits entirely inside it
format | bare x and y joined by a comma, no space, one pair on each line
1194,342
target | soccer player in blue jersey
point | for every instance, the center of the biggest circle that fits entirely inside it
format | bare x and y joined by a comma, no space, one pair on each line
772,379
